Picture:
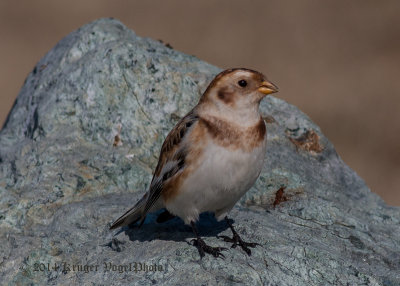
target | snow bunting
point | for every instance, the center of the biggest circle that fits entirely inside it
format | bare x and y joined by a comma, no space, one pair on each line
211,158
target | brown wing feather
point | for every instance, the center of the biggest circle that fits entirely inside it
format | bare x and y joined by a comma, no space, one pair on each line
172,152
173,139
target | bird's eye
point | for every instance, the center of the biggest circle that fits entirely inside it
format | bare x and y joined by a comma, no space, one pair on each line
242,83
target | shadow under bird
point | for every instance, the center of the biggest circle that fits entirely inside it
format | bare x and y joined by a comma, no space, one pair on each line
211,158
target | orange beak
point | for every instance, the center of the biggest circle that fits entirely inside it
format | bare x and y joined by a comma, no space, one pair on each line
267,87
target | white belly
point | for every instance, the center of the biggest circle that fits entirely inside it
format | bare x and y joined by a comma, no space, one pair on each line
222,178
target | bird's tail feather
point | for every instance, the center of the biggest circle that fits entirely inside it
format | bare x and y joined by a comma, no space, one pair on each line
132,215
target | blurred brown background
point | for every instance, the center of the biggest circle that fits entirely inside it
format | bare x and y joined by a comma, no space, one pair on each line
338,61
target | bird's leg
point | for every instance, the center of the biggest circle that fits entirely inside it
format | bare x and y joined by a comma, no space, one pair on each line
236,240
203,247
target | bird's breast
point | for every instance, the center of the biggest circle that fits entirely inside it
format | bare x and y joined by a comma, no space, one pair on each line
229,169
231,159
233,137
215,178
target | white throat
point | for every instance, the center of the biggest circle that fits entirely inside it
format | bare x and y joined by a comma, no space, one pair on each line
245,117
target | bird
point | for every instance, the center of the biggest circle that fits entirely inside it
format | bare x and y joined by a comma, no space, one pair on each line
211,158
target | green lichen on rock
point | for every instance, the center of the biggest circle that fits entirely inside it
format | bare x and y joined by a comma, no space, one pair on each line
79,147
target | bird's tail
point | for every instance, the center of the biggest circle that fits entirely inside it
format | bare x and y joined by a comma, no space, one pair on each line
132,215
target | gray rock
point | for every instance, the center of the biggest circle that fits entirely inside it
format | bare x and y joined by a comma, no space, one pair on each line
79,147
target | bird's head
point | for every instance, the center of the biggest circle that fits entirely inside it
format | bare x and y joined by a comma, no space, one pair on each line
236,93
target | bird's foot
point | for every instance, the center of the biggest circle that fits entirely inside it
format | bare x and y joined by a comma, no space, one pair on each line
204,248
236,240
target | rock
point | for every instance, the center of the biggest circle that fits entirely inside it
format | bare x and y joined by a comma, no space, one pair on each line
79,147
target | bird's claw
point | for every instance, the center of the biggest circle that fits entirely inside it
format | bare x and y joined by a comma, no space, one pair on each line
236,240
204,248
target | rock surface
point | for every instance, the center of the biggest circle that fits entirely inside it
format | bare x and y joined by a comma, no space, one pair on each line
79,147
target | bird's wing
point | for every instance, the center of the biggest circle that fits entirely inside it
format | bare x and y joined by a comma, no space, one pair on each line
172,159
